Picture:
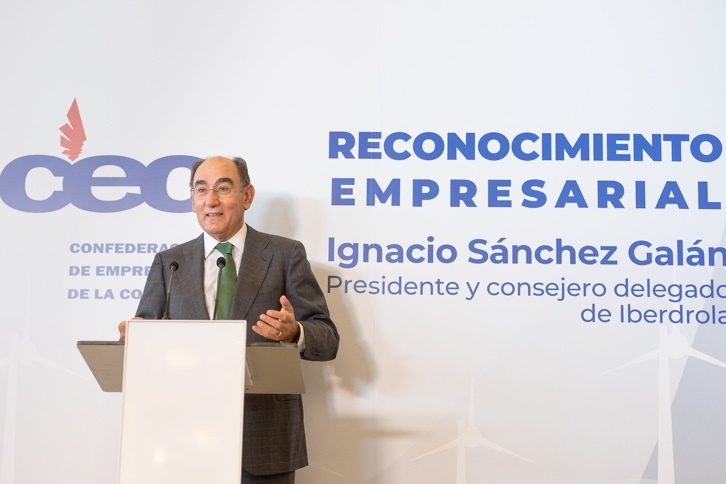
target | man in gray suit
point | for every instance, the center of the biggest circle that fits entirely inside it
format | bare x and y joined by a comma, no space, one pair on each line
276,292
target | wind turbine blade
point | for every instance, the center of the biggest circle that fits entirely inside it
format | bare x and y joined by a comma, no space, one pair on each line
328,470
704,357
648,356
52,364
488,443
450,445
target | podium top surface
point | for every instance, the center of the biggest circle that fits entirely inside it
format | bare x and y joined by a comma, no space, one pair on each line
271,367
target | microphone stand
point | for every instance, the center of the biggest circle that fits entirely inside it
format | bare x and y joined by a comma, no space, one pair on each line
220,263
173,267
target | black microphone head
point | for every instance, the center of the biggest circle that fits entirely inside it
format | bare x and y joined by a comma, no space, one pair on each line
174,266
221,262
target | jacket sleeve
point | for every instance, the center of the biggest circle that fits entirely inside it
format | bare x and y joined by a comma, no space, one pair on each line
311,310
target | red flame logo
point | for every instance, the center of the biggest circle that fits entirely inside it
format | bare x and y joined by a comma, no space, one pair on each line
73,135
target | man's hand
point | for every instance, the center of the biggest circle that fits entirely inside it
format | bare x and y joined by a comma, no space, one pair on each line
279,325
122,329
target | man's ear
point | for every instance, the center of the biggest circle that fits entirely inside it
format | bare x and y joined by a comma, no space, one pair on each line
249,196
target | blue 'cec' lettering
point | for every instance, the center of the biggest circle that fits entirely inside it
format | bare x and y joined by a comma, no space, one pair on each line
144,184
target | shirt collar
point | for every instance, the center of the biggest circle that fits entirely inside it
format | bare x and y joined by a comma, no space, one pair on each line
237,240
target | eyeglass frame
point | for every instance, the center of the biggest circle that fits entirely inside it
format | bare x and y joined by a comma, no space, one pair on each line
216,190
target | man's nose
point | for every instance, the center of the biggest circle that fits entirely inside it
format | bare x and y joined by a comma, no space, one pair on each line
212,197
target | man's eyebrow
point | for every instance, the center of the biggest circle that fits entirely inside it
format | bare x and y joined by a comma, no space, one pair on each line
219,180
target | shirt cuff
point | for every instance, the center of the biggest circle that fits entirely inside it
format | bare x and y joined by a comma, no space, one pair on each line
301,338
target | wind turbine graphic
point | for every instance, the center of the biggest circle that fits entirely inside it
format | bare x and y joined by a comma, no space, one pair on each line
673,345
468,436
22,353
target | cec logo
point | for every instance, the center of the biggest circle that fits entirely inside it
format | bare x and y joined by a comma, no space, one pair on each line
80,182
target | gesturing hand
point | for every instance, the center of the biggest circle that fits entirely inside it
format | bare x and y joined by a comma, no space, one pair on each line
279,325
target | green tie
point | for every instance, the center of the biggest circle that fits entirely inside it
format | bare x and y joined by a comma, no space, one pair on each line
227,281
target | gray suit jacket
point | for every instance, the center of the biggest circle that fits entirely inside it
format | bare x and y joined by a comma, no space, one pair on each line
274,435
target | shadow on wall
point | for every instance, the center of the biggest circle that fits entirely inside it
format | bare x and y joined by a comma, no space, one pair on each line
340,444
272,214
343,443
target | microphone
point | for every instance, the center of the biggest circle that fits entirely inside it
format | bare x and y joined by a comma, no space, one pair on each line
220,263
172,267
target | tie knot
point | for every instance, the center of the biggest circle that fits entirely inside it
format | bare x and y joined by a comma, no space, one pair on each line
225,247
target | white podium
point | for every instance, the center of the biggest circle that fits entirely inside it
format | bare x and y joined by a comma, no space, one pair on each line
183,402
183,395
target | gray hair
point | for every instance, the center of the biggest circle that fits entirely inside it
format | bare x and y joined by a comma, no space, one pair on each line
244,175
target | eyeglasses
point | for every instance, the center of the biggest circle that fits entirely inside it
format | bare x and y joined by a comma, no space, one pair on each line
222,191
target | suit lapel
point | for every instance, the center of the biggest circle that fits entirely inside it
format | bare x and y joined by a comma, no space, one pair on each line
192,281
255,262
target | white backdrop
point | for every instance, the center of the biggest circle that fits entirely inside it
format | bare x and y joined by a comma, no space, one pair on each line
434,388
